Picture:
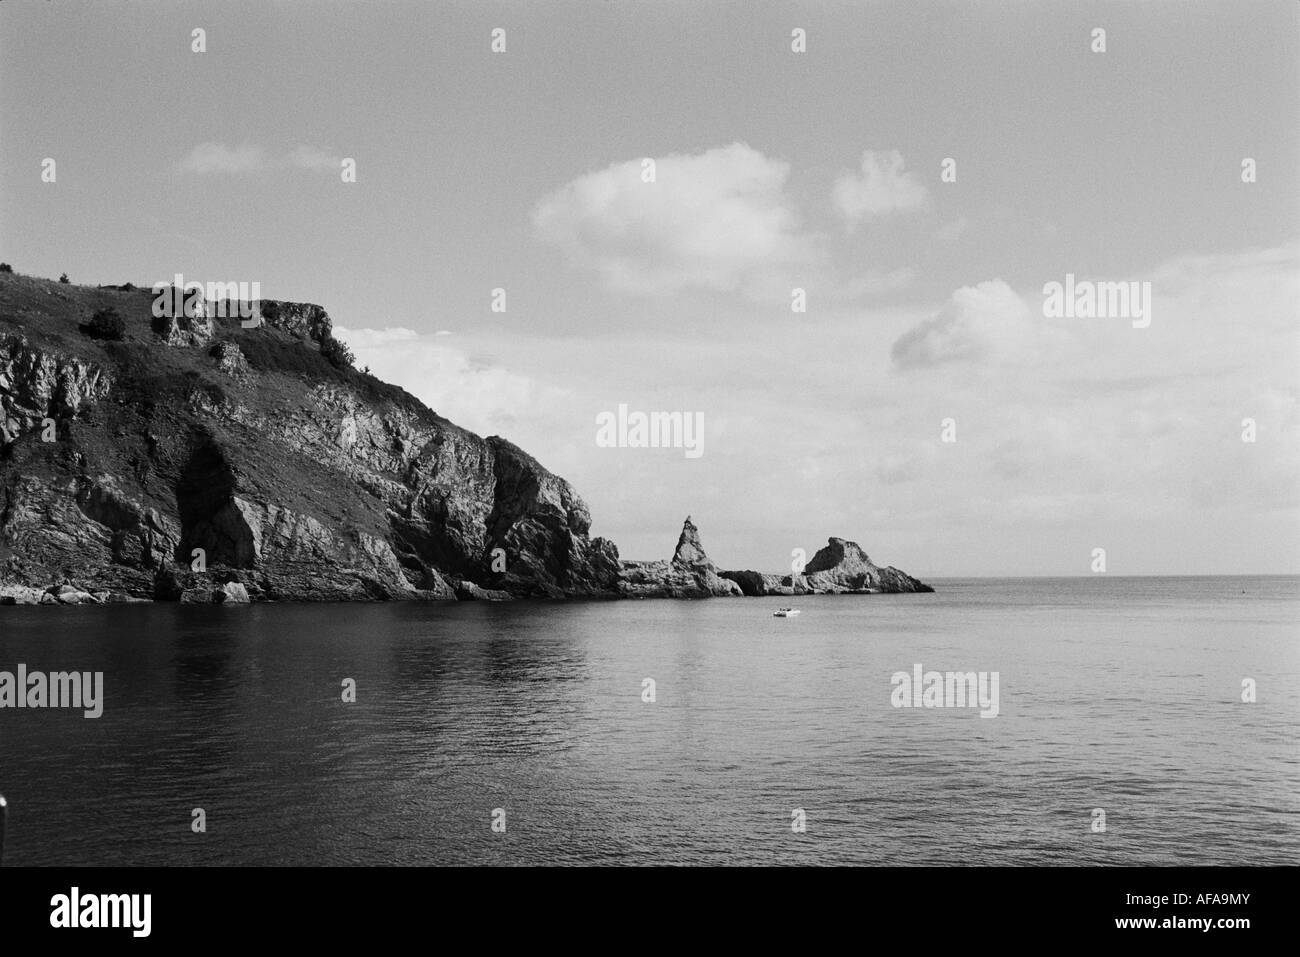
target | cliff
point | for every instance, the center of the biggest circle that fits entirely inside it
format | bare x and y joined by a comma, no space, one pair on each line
195,452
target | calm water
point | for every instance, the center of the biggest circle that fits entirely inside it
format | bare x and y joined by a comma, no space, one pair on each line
1121,694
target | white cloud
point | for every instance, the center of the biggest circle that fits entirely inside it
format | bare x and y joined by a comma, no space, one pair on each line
218,158
719,220
881,188
1114,433
472,392
977,322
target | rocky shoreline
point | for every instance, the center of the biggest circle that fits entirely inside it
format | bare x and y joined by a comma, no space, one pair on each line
841,568
197,460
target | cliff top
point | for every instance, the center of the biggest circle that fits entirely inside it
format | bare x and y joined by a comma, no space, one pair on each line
54,317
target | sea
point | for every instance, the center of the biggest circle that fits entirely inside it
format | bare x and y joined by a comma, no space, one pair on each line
1139,721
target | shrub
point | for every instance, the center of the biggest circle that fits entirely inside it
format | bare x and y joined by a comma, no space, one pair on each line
338,353
5,267
107,324
64,278
268,353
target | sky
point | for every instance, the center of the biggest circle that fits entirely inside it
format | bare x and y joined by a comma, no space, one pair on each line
773,170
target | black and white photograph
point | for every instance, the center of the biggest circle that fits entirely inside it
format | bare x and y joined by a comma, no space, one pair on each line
635,435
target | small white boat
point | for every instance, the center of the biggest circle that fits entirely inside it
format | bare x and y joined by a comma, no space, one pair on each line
785,612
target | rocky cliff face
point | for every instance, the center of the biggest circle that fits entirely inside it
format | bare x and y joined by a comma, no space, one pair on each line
195,454
303,320
37,383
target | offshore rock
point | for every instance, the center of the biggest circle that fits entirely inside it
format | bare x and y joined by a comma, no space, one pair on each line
842,567
689,574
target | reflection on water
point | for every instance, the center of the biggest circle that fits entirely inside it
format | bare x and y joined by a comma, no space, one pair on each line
1115,693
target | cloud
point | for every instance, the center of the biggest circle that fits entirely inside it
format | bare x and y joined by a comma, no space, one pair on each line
471,391
1244,271
218,158
977,322
881,188
1139,425
719,220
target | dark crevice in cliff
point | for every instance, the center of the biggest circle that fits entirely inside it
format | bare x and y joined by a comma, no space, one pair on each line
205,501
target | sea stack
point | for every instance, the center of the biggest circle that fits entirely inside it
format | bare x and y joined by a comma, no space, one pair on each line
689,574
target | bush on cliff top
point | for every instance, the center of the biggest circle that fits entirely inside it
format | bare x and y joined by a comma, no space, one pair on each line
337,353
106,324
267,352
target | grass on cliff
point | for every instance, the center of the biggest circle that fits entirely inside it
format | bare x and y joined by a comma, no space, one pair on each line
54,315
269,351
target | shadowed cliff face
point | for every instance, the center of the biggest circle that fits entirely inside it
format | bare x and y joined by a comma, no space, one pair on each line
189,455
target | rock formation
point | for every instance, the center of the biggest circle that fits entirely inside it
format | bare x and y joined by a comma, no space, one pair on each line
38,383
842,567
688,574
183,330
230,360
